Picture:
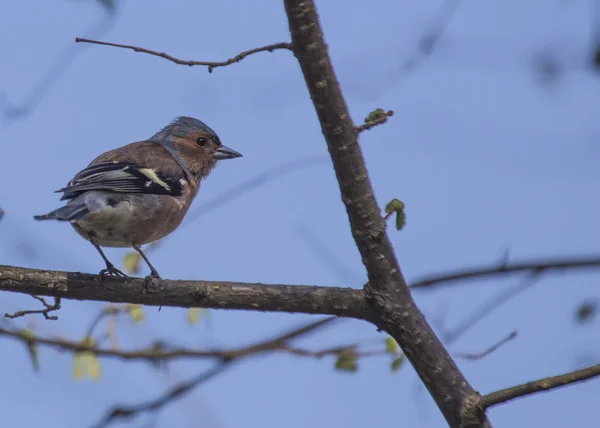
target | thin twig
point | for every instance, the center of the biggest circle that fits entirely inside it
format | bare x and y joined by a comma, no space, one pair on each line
209,64
159,352
278,342
372,123
109,309
430,39
488,351
49,308
538,266
540,385
126,412
488,307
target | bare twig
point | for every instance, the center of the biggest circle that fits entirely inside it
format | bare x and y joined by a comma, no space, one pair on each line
209,64
155,405
372,123
106,311
533,266
488,307
540,385
125,412
49,308
431,37
159,352
488,351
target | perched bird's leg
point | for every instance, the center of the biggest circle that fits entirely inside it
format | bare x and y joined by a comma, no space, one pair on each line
110,270
153,272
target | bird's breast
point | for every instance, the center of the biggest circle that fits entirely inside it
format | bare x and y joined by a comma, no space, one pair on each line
129,220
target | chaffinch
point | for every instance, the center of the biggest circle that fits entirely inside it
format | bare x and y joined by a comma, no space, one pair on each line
140,193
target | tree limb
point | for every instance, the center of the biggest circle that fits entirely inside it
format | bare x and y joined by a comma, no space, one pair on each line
534,387
209,64
344,302
532,266
386,291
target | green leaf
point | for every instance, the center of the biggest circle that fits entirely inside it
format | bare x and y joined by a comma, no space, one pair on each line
374,115
586,311
391,347
397,362
346,361
32,348
136,313
400,220
396,206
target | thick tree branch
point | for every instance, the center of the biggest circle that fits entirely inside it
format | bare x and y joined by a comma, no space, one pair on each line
209,64
387,291
545,384
344,302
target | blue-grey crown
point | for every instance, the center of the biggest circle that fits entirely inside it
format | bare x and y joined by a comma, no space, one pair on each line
183,126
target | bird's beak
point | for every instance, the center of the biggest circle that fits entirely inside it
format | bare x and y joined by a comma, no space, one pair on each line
224,152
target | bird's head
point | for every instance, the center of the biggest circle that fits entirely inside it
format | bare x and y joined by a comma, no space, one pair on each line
195,146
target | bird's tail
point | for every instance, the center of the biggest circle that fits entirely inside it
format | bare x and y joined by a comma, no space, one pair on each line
67,213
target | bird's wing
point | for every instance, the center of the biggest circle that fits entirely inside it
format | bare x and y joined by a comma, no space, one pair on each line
121,177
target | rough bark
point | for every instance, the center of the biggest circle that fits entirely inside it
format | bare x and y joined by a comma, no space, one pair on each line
388,295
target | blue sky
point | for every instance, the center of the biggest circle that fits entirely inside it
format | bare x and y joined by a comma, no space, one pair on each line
485,158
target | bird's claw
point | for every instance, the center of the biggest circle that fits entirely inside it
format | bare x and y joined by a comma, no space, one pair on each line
112,271
150,279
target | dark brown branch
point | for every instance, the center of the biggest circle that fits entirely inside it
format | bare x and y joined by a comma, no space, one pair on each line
387,291
48,306
534,387
533,267
209,64
344,302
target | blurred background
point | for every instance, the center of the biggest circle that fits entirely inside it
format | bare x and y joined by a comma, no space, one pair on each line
494,148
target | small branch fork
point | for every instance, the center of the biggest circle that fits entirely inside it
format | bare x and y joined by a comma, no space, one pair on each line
210,64
48,306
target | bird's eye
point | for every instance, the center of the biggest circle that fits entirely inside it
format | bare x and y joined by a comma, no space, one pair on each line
201,141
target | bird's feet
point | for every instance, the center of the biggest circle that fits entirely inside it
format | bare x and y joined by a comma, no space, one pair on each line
111,270
151,279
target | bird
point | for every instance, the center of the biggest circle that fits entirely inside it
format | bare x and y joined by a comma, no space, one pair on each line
139,193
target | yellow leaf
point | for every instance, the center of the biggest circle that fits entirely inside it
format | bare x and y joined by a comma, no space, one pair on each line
136,313
194,314
78,367
93,366
131,262
391,347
